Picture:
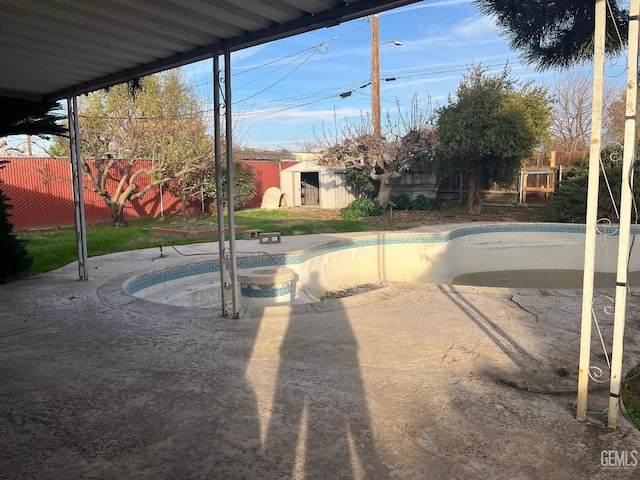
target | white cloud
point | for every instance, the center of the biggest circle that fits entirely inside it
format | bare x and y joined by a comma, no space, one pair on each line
246,53
469,32
475,28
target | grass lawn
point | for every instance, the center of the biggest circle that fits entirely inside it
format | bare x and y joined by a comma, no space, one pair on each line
54,248
631,397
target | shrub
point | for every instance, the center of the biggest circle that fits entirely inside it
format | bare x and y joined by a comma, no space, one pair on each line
363,184
569,203
361,207
14,258
423,203
401,202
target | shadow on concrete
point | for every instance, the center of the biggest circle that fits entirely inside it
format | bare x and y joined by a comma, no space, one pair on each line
320,425
120,394
491,329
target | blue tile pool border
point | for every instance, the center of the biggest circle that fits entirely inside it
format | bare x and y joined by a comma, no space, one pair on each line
253,291
151,279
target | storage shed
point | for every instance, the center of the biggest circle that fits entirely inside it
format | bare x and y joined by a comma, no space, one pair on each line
310,184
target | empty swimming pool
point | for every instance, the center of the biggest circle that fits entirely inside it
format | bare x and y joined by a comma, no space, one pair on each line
502,255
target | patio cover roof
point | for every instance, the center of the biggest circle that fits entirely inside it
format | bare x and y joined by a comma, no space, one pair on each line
54,49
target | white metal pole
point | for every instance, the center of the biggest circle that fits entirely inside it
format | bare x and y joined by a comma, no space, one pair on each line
78,193
560,175
625,215
521,185
230,184
592,207
218,170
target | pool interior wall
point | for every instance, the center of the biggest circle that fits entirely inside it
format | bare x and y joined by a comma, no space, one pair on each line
409,256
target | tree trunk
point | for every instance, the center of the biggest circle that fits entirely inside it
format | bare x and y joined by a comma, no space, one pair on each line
385,190
117,215
474,192
183,207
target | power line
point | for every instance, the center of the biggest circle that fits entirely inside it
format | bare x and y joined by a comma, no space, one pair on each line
301,100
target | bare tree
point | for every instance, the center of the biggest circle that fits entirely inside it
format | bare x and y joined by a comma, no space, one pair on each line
310,146
571,94
405,141
614,118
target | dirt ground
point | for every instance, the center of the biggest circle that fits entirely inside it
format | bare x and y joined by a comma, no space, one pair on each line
416,218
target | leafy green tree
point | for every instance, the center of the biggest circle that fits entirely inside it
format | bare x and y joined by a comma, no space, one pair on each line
556,34
244,183
14,258
58,149
489,129
161,121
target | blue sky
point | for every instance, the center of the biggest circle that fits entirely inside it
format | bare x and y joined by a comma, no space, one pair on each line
284,90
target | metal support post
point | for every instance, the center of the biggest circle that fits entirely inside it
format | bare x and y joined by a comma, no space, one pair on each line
230,185
218,170
78,194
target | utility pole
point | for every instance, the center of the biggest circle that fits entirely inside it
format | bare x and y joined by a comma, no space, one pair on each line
375,76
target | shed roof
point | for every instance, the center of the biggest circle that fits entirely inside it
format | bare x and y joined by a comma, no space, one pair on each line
308,166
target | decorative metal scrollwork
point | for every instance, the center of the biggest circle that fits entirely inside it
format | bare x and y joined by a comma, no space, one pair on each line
605,227
222,108
595,373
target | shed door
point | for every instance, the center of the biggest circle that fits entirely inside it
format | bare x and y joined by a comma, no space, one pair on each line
310,184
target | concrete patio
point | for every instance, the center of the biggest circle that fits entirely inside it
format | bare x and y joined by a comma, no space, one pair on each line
400,382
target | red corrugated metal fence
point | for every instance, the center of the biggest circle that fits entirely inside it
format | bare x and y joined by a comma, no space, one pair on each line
41,193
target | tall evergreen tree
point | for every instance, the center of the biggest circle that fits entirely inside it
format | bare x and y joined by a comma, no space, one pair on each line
555,34
14,258
24,117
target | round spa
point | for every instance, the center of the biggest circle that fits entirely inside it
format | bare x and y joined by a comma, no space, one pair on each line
265,286
434,254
